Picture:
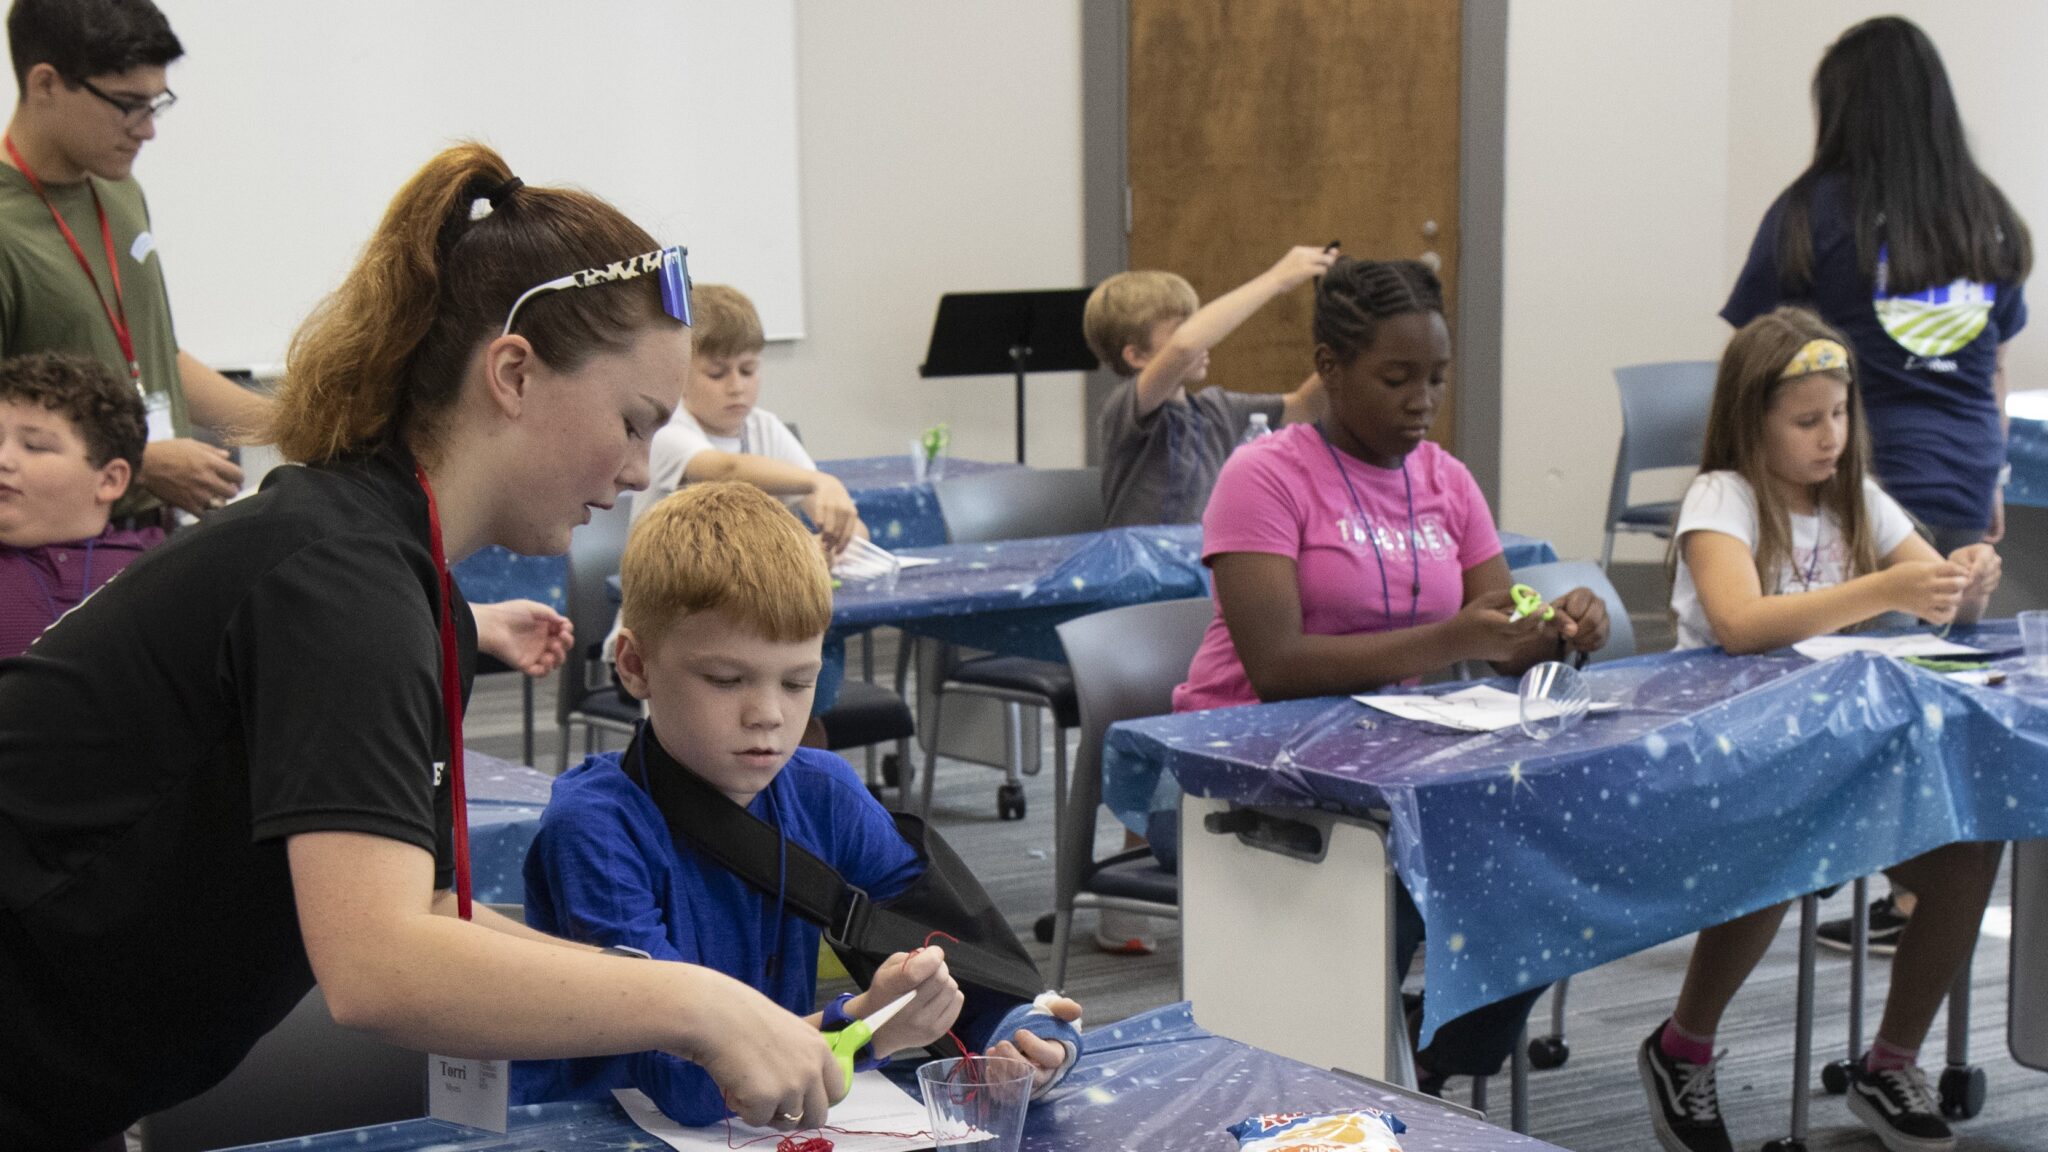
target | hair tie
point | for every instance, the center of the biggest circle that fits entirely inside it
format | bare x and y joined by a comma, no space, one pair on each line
497,195
494,199
1817,356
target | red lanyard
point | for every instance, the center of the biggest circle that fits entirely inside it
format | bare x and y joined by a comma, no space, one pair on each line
117,312
451,699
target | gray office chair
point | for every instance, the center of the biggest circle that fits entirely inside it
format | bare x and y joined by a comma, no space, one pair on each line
1012,505
1551,580
587,696
1663,424
1125,664
309,1075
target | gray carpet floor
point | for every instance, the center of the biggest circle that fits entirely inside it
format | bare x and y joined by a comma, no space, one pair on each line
1592,1104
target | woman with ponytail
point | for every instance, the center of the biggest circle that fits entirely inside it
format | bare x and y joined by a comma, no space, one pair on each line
237,768
1352,553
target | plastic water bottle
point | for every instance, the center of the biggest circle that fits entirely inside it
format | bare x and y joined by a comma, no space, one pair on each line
1258,429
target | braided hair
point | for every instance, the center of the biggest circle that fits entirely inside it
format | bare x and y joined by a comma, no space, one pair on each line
1355,295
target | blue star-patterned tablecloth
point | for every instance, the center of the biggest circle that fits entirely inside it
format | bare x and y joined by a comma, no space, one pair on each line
1155,1081
1722,785
899,511
1009,595
505,800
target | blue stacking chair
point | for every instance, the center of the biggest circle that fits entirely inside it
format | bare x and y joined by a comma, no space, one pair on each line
1663,424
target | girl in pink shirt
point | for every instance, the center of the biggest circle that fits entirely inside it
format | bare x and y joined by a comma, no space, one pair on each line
1354,553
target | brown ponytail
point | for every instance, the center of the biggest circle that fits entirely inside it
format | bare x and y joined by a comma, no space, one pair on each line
384,355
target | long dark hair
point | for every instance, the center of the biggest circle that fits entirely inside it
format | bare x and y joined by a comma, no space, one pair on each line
1888,122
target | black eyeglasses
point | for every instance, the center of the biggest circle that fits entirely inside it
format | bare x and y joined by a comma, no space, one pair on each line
134,112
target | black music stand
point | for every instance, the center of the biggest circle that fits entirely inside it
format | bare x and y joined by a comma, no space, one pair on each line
996,333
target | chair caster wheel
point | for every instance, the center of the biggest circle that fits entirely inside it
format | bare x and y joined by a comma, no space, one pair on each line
1962,1092
1834,1077
1010,802
1041,929
1785,1144
892,770
1547,1052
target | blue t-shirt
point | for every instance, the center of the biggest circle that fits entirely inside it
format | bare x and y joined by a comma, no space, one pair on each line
604,870
1924,360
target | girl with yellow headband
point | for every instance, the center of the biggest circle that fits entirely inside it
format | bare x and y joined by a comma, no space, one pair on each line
1784,536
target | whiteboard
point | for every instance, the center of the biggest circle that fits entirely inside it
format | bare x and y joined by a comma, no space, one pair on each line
297,122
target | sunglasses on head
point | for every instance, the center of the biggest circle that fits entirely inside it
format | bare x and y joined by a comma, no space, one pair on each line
671,265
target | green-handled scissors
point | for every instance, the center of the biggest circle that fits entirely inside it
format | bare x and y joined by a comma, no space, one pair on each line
1527,602
848,1041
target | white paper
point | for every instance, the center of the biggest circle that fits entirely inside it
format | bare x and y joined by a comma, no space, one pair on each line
915,561
1918,644
1480,708
470,1092
874,1105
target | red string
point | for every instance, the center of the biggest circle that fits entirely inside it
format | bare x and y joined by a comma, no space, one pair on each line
799,1142
964,1049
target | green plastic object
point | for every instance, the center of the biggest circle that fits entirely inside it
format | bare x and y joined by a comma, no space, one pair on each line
1528,602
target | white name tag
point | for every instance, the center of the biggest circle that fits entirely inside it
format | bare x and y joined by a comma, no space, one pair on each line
468,1092
144,244
156,409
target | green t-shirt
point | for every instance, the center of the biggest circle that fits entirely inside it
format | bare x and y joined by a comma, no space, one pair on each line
48,305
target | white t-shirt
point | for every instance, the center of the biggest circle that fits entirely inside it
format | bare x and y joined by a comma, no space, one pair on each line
1723,502
678,442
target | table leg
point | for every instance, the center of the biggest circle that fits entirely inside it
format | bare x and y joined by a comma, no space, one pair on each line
1802,1030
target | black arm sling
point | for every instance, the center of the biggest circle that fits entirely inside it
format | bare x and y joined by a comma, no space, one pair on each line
863,932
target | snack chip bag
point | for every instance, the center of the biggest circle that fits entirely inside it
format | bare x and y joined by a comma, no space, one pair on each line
1364,1130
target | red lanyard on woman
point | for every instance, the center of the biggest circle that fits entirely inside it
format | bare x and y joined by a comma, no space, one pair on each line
451,698
117,312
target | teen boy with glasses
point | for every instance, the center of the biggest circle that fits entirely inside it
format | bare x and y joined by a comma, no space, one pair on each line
79,271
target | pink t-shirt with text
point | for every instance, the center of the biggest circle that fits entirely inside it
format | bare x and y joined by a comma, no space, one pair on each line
1284,495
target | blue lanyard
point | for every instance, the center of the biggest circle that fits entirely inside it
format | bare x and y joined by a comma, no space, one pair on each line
1820,533
43,586
1358,509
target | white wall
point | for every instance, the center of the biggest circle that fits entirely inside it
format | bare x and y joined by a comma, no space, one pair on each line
1644,142
939,151
1616,198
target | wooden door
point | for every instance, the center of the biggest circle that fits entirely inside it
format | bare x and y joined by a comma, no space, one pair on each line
1256,126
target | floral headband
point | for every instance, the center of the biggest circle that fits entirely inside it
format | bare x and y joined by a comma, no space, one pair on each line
1817,356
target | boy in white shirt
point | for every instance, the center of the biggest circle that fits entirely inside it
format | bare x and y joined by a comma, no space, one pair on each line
720,432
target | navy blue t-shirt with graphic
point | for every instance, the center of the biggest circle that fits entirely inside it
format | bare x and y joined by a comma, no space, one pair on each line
1924,360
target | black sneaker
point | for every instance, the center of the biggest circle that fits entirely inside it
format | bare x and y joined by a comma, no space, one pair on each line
1897,1105
1886,926
1684,1108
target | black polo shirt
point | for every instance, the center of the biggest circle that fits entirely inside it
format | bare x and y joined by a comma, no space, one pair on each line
273,672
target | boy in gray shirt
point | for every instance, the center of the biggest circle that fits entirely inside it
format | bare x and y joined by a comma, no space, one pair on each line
1161,446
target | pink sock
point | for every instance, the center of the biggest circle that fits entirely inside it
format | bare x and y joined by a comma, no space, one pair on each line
1885,1057
1679,1044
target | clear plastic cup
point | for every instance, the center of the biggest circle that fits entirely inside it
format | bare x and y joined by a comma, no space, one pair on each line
976,1103
926,468
1554,698
2034,638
